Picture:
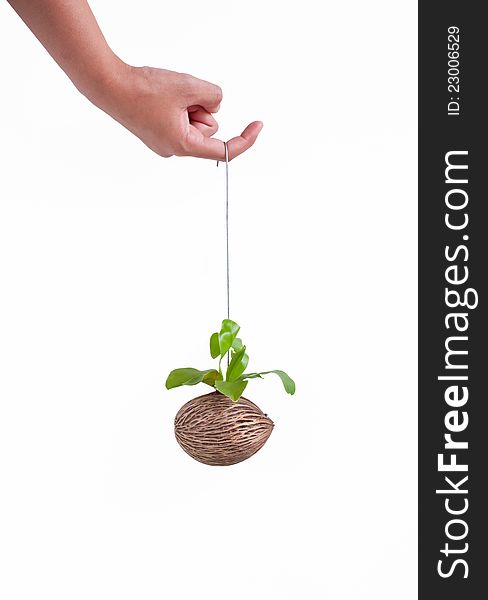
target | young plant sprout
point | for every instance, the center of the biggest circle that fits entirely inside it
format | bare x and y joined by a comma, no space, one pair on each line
235,381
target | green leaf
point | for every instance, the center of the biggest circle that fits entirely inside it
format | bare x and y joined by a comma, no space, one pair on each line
237,344
231,389
287,381
237,365
227,335
212,377
189,376
214,345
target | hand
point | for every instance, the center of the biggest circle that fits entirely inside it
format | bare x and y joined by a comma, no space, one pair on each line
172,113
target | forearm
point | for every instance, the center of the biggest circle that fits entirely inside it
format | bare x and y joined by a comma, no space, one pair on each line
69,31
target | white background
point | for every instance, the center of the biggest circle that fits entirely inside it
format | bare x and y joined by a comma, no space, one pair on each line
112,274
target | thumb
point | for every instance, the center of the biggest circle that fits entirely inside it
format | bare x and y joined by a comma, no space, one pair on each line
204,147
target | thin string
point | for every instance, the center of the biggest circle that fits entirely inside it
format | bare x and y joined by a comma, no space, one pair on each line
227,224
227,231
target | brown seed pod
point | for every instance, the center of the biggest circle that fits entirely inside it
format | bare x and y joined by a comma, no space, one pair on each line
216,431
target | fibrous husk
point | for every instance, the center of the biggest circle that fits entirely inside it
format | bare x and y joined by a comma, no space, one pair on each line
216,431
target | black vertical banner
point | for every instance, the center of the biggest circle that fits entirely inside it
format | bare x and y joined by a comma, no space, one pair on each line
453,259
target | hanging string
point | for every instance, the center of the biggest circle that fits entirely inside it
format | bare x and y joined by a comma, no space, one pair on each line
227,224
227,231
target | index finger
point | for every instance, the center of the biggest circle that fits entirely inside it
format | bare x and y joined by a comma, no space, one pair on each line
203,147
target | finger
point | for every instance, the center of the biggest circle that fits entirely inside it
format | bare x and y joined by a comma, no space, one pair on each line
243,142
205,94
203,147
202,120
204,129
197,114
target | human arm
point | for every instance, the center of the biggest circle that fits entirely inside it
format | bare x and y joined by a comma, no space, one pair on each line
172,113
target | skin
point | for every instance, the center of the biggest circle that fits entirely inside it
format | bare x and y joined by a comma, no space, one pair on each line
172,113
